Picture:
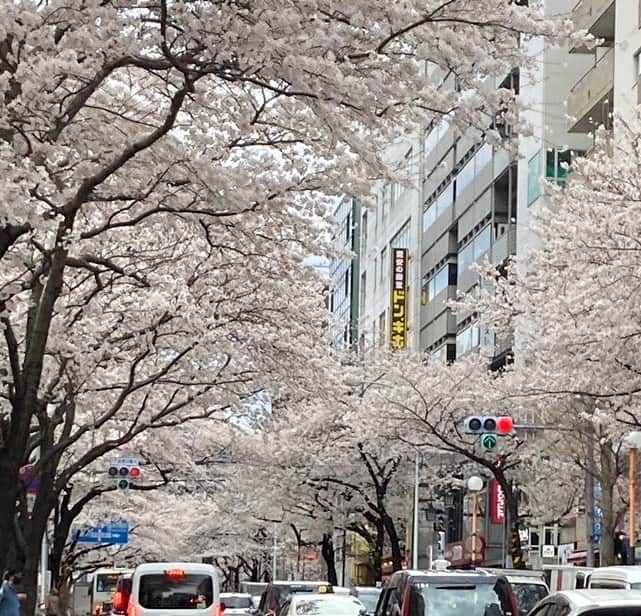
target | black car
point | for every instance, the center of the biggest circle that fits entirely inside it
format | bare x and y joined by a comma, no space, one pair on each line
447,593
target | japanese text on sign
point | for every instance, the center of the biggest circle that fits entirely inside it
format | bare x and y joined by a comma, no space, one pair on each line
398,320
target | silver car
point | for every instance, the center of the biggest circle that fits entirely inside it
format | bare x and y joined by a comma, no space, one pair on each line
590,602
237,603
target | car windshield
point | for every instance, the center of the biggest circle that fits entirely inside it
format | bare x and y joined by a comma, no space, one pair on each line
369,598
336,605
528,595
236,602
478,600
189,591
106,582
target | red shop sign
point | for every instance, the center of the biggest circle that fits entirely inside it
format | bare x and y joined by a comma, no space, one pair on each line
497,503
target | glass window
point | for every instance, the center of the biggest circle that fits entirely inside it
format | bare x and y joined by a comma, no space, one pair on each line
236,602
363,293
528,595
534,178
471,600
186,592
395,192
364,231
466,256
429,216
106,582
557,163
445,200
468,339
402,238
330,605
483,157
482,243
440,280
384,264
465,176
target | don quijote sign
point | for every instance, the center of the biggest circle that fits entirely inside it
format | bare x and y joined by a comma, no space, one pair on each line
497,503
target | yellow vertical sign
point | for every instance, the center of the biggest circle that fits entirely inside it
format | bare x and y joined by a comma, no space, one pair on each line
398,308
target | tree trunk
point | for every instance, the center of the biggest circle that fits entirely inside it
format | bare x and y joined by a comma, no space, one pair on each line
9,468
392,535
329,556
608,521
512,505
376,556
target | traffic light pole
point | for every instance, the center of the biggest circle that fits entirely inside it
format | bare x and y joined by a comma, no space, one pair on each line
632,480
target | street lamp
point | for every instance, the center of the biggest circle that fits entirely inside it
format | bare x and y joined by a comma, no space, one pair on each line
474,485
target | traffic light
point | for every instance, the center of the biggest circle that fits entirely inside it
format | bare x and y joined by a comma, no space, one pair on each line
500,425
123,475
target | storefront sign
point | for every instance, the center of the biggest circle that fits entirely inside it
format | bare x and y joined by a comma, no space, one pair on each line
398,309
497,503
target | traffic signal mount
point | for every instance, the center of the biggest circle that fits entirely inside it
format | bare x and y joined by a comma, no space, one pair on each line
489,428
501,425
123,474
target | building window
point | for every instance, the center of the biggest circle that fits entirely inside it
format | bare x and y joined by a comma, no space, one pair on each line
395,192
363,293
534,178
474,250
439,206
382,334
439,282
557,164
348,229
384,264
375,271
363,232
402,238
467,339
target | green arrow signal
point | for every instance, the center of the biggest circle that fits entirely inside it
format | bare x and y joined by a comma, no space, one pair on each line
489,442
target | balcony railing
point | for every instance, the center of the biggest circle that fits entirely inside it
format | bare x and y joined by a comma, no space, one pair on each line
586,101
595,16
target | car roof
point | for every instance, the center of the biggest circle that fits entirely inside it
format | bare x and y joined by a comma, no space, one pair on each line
591,597
305,583
325,595
161,567
618,572
368,588
244,595
478,576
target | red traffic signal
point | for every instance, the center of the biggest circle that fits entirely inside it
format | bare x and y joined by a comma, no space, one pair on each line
504,425
134,472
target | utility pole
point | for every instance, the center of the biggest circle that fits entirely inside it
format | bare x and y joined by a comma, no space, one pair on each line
415,521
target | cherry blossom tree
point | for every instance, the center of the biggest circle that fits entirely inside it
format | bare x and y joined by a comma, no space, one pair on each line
164,172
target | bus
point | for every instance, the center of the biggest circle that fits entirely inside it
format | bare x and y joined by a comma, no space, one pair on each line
103,586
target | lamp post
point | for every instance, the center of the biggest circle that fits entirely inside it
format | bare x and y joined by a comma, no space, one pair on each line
474,485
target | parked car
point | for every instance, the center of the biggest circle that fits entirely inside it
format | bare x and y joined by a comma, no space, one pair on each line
447,593
185,589
278,593
590,602
529,587
330,604
616,578
368,596
237,604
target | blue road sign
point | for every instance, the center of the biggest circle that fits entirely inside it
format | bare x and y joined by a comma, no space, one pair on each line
115,532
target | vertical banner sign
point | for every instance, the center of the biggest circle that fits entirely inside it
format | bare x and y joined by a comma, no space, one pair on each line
497,503
398,309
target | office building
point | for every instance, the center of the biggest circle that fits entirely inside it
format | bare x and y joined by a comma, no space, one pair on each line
344,275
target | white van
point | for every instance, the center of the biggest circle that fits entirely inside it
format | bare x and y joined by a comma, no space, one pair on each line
178,589
622,578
